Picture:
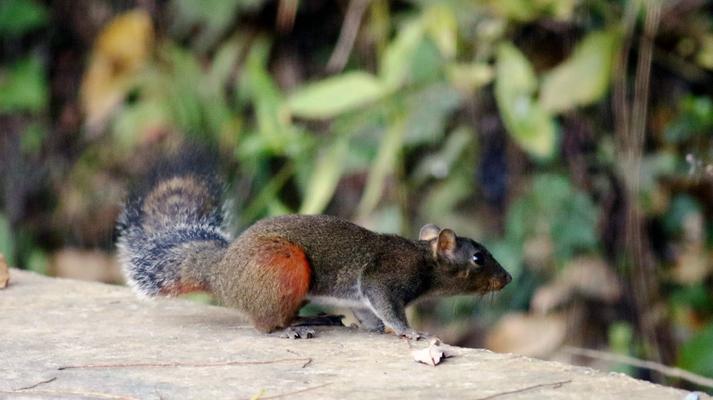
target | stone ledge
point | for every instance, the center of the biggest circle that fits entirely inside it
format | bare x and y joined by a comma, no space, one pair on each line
49,324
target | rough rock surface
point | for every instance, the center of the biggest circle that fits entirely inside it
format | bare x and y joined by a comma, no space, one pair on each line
65,339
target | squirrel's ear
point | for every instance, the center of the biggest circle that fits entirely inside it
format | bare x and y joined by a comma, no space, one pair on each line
446,241
428,232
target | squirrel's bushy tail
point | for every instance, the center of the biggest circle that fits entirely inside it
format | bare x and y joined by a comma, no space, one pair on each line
171,233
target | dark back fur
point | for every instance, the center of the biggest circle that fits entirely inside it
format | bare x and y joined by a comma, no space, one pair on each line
339,251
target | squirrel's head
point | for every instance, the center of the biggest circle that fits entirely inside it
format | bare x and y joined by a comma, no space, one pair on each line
465,265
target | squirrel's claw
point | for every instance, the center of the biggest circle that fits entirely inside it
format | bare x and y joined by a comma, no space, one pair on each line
415,335
296,332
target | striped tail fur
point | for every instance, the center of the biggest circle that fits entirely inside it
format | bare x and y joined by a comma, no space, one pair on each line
171,234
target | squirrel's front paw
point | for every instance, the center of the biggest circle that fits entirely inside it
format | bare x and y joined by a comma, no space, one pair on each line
414,335
296,332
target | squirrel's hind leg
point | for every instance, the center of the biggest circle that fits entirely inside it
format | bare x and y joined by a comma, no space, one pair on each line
281,275
368,320
301,327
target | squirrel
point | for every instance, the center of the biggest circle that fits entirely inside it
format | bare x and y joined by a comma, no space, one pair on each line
172,240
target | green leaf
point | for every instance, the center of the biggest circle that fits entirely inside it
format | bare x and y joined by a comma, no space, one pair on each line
444,196
257,85
584,77
550,191
327,171
529,124
450,165
226,57
518,10
23,87
398,55
335,95
442,27
386,219
366,127
469,77
521,76
275,208
20,16
704,58
268,194
7,245
528,10
443,163
384,164
177,90
426,65
429,110
696,355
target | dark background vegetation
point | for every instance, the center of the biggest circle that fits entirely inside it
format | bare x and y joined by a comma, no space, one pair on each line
573,137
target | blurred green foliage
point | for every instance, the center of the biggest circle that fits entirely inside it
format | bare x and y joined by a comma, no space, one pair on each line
7,245
531,126
24,87
494,118
555,209
20,16
696,355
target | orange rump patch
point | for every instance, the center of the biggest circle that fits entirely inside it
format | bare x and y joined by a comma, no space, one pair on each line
285,265
288,264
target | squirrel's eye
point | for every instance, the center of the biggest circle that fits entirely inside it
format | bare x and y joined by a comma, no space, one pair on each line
478,258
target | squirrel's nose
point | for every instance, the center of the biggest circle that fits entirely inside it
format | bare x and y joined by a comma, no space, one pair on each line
508,278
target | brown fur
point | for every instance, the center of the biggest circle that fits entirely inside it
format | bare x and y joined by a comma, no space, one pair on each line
271,279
